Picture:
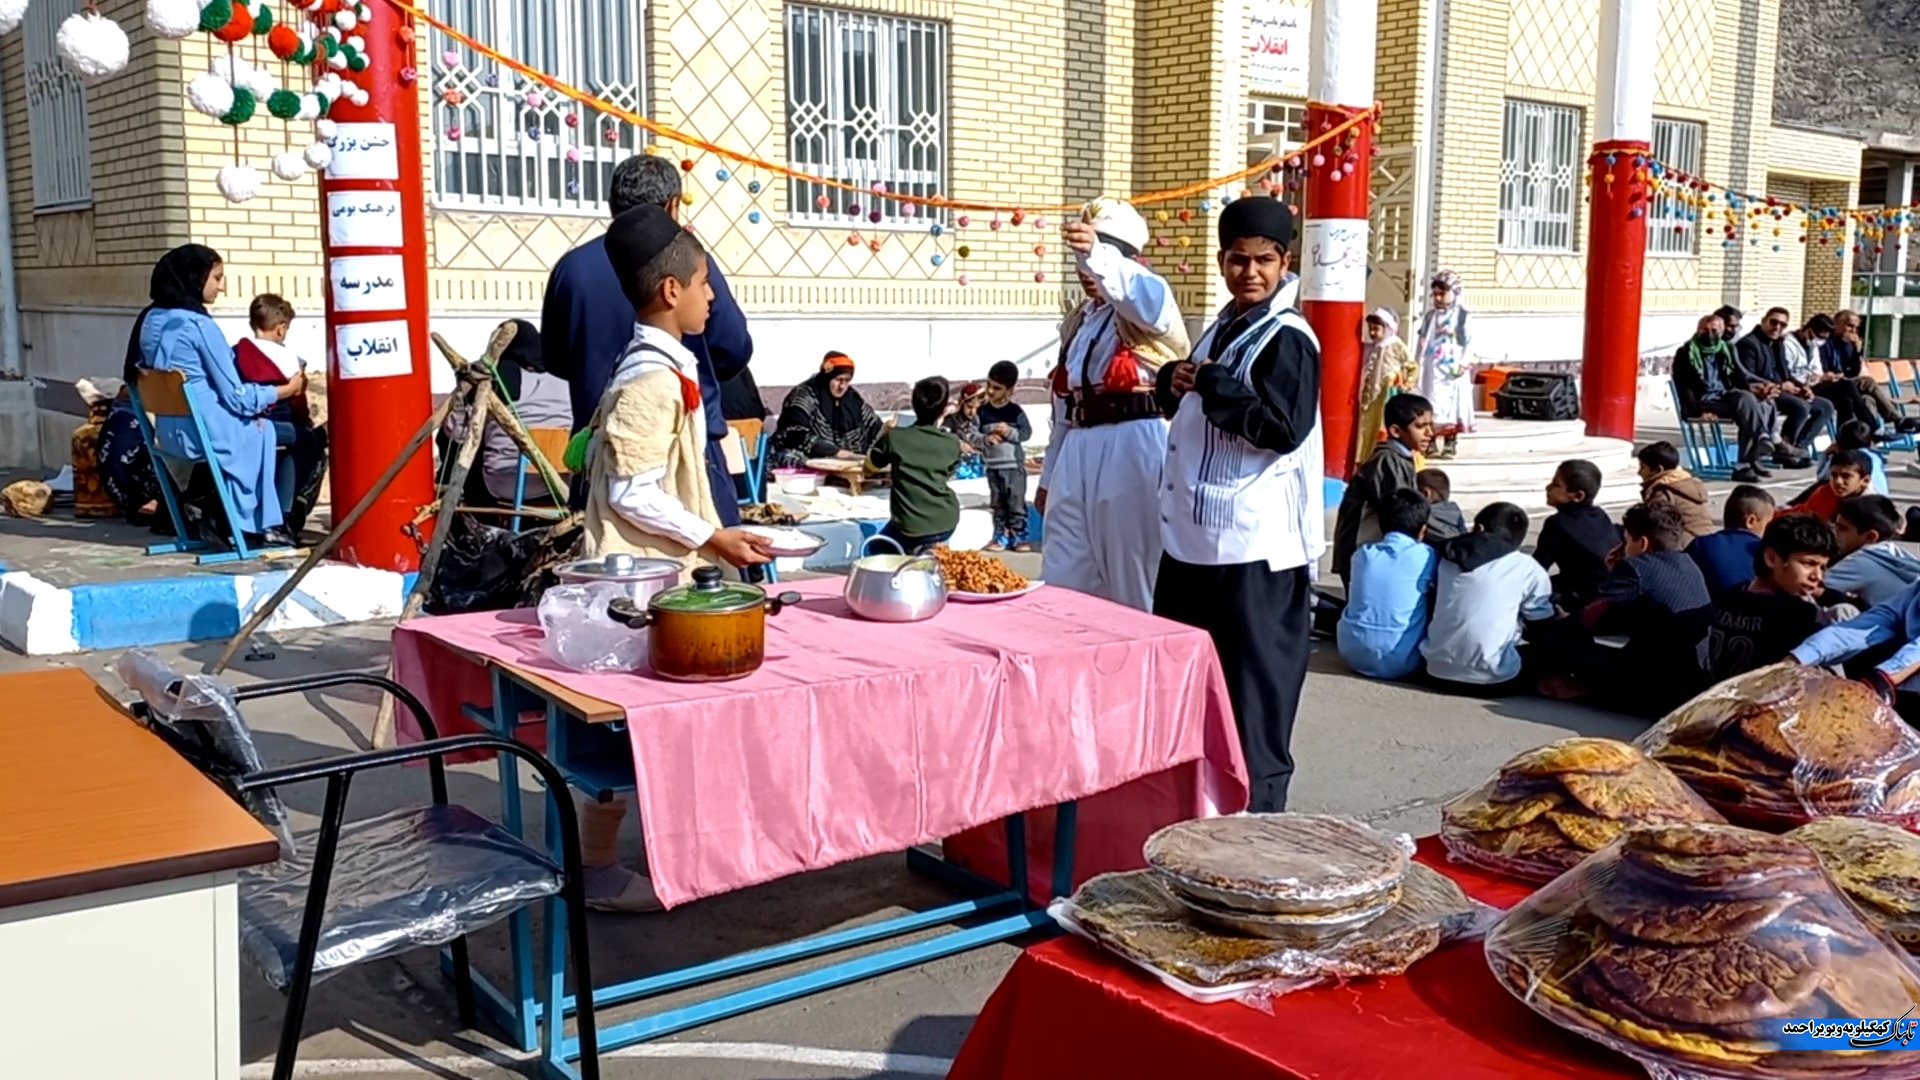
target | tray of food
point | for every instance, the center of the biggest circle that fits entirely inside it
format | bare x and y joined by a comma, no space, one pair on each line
1786,744
1689,947
1553,806
976,578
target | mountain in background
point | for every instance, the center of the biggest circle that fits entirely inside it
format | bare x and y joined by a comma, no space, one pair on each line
1849,65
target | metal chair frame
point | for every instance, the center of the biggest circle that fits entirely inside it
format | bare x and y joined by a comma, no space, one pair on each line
181,542
1709,454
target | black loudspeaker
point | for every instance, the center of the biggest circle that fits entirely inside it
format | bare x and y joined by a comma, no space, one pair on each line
1542,395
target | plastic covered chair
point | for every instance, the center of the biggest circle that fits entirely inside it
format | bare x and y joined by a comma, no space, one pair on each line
355,891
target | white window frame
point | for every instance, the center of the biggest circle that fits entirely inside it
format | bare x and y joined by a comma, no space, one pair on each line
499,163
1540,153
56,115
1672,231
1274,125
886,124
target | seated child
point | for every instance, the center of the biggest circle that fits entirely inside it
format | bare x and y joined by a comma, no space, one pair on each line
264,358
923,458
1727,558
1657,599
1662,480
1445,521
1874,566
963,423
1578,537
1392,468
1760,622
1485,588
1849,472
1893,625
1005,429
1386,614
1853,435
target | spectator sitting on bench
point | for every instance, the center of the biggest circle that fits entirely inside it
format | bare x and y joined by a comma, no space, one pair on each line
1841,354
1760,366
1704,374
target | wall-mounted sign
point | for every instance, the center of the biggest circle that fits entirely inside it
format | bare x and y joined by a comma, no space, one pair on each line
365,152
364,219
373,350
1276,60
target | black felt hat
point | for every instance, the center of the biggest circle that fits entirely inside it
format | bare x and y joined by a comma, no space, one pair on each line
1256,215
636,238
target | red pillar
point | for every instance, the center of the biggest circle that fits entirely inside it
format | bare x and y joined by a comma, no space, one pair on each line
1333,271
373,209
1616,256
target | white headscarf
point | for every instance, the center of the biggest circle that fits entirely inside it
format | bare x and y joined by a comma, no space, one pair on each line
1385,315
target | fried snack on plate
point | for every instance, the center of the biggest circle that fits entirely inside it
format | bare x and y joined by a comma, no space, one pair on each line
973,572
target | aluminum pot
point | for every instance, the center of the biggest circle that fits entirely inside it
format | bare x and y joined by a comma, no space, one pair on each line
896,588
709,631
639,579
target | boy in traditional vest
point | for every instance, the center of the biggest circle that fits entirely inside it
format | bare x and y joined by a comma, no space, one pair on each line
1241,512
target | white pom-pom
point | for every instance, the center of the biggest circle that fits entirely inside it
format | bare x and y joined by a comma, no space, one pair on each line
319,155
338,61
289,165
173,19
210,94
223,67
92,45
345,20
238,182
358,94
11,12
325,130
309,107
262,83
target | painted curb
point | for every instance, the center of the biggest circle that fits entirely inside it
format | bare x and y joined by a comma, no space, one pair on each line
40,619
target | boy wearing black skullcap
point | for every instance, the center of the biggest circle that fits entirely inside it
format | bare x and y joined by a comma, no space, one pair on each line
1242,516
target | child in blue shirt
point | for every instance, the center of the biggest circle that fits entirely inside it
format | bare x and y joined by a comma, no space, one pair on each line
1387,592
1726,558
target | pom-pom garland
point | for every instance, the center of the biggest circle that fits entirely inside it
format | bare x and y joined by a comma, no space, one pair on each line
93,46
284,104
173,19
12,12
319,156
289,166
210,95
238,182
215,15
238,25
244,104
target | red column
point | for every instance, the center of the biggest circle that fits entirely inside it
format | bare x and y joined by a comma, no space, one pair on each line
374,231
1333,270
1616,256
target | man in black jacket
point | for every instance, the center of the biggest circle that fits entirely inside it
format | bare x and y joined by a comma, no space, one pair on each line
1841,355
1760,368
1703,373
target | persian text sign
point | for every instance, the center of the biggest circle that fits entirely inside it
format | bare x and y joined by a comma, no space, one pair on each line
1277,48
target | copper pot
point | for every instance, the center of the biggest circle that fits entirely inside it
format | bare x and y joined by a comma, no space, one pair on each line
709,631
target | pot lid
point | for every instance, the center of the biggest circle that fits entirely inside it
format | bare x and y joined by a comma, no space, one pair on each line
618,567
710,595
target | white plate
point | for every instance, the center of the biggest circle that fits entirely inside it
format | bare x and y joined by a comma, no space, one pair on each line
988,598
788,542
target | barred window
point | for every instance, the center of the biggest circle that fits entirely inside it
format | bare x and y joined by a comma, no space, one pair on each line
56,114
1670,231
866,105
1539,165
1274,123
502,142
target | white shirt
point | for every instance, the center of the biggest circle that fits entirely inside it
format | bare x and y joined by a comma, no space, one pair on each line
284,358
641,499
1475,633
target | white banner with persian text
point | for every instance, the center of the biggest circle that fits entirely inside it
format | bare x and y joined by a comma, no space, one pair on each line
1276,61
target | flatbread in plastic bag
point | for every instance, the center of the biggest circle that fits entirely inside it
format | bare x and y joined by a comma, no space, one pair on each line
1780,746
1549,808
1876,865
1688,948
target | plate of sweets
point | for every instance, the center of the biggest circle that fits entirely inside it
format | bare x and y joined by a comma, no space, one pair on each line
975,578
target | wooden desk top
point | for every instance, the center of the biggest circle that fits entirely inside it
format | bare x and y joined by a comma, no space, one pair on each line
591,709
91,801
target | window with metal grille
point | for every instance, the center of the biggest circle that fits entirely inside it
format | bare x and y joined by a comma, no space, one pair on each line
56,115
1274,124
1539,161
867,106
501,142
1671,228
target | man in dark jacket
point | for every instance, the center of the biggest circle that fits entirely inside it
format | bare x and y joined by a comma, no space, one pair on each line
587,322
1841,355
1703,373
1760,367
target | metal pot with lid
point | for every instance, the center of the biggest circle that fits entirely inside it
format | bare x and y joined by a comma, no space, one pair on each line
640,579
708,631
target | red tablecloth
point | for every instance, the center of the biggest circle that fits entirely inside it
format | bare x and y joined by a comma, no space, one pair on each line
1067,1009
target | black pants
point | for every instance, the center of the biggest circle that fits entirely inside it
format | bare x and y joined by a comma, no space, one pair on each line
1801,420
1644,682
1261,623
1751,417
1007,495
1849,403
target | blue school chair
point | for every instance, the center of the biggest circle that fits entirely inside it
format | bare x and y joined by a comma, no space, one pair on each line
1709,454
164,393
1904,391
553,446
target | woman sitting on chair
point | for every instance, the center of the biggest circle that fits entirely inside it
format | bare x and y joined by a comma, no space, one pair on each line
175,333
538,400
825,417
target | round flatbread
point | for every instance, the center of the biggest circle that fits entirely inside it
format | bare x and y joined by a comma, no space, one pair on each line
1302,863
1722,858
1640,793
1586,833
1876,983
1728,982
1659,918
1876,865
1580,755
1477,812
1526,841
1839,729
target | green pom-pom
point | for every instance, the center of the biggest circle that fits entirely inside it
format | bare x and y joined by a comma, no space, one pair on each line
284,104
327,42
215,15
325,102
263,19
356,62
244,103
303,56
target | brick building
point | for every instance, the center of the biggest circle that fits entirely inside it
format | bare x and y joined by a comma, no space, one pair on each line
1047,100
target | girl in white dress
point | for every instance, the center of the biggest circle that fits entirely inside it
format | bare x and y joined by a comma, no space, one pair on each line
1446,367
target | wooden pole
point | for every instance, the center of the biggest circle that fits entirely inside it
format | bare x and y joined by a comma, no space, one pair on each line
334,536
503,415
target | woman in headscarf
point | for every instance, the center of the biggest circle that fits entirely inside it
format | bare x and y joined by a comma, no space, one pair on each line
825,417
1386,368
175,333
538,399
1446,368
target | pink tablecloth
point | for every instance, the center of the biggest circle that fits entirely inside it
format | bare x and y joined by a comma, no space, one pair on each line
859,738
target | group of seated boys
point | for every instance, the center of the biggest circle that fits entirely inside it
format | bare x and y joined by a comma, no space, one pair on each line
1636,616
